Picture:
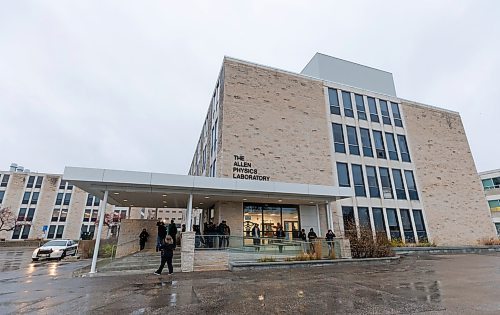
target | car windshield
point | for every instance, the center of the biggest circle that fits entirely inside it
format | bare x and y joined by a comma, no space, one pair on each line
55,243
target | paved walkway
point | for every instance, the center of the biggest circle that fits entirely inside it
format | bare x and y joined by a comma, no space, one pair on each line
461,284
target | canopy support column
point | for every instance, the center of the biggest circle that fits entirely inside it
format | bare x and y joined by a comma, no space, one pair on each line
189,214
99,230
329,215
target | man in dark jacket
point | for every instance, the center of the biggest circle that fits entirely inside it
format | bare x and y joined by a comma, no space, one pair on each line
143,238
162,233
223,231
312,238
172,231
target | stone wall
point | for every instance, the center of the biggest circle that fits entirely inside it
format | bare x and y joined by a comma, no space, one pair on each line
205,260
451,192
263,111
232,212
128,240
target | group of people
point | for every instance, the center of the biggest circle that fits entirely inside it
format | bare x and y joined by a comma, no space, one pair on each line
213,234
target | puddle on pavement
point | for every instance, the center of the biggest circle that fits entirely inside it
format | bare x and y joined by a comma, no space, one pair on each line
167,293
429,291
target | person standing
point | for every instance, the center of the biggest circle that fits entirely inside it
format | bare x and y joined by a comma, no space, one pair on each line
172,231
162,233
143,238
256,236
280,235
329,240
303,238
312,238
167,254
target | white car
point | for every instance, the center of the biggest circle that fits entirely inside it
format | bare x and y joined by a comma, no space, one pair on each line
55,249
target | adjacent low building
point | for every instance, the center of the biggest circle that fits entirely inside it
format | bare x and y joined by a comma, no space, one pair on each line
491,185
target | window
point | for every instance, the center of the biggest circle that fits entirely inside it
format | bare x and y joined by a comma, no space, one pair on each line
349,222
352,139
378,221
26,198
62,185
346,99
385,179
393,222
89,200
94,215
64,214
343,175
364,218
333,98
360,106
52,230
366,142
371,174
410,183
396,115
86,215
338,138
373,109
31,181
67,199
391,146
407,227
70,187
34,198
31,214
59,232
419,225
359,182
379,144
22,214
494,205
497,226
59,198
97,202
5,180
403,148
491,183
384,110
398,184
55,215
39,181
17,232
2,194
26,232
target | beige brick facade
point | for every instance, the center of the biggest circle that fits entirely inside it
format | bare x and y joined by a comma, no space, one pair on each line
451,191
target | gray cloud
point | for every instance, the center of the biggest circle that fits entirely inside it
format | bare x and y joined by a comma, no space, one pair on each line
126,84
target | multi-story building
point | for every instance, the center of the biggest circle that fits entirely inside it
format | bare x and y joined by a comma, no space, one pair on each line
491,185
341,124
47,207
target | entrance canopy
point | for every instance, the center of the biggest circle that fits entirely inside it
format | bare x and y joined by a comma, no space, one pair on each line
156,190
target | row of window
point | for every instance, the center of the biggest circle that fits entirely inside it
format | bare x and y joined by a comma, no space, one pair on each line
380,216
491,183
59,215
91,200
34,182
63,198
373,182
4,180
366,143
90,215
360,101
55,232
26,214
63,185
30,198
21,232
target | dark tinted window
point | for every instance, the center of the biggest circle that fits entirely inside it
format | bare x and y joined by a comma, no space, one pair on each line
403,148
334,101
385,179
39,181
59,198
391,146
393,222
410,183
26,198
349,222
5,180
2,194
366,142
352,139
407,227
420,225
359,182
364,218
346,99
26,232
384,110
360,106
371,175
31,181
372,105
379,144
31,214
52,231
398,184
34,198
343,175
22,214
67,199
378,220
397,116
17,232
89,200
338,138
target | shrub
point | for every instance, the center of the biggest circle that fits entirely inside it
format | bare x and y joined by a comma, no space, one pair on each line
266,259
366,246
490,241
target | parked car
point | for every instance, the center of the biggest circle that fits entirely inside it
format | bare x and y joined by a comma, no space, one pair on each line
55,249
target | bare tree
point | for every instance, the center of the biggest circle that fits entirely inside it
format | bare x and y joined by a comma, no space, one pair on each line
7,219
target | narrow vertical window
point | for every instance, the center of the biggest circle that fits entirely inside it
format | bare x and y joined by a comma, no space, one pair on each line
360,106
398,184
55,215
26,198
97,201
5,180
89,200
31,214
384,110
343,175
34,198
52,231
352,139
346,99
2,194
22,214
364,218
371,175
333,98
372,105
407,226
59,232
379,144
16,232
67,199
403,148
359,181
420,225
385,179
39,181
26,232
349,222
396,115
59,198
393,222
378,221
31,181
412,187
338,138
366,142
391,146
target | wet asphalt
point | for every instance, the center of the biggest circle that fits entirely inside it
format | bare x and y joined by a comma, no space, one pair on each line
455,284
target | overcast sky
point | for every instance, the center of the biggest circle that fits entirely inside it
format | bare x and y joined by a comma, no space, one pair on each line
126,84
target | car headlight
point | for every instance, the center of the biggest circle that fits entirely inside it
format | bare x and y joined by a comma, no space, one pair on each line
57,250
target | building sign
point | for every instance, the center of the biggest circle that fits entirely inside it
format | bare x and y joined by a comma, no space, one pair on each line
243,170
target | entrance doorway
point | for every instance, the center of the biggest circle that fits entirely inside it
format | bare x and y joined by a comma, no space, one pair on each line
268,217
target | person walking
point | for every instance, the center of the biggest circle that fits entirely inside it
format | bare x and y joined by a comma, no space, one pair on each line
172,231
162,233
256,237
329,240
312,238
143,238
167,254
